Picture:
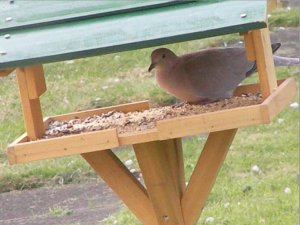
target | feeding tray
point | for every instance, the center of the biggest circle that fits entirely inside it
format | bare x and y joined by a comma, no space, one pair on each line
24,150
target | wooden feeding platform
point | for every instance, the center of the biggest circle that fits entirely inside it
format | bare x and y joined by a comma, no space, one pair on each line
161,127
93,28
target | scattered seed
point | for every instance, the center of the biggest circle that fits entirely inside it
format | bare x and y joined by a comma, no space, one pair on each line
141,120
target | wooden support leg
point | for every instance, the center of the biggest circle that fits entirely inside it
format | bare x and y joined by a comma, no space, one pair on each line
258,47
31,85
205,173
124,184
162,168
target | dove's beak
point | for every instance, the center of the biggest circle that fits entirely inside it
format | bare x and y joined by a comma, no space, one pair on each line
151,67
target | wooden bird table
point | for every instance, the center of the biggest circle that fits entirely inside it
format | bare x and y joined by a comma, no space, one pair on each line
50,31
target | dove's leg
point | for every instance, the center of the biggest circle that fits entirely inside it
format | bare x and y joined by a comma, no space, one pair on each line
204,101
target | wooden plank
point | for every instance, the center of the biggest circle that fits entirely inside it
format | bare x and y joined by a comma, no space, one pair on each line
35,81
251,88
278,100
40,13
272,5
123,183
11,157
130,31
4,73
209,122
32,112
249,46
64,146
157,173
205,173
138,137
264,61
129,107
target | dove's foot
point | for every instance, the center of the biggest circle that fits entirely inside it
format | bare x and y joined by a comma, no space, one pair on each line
204,101
178,105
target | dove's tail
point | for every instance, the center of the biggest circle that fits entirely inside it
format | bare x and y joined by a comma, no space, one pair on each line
285,61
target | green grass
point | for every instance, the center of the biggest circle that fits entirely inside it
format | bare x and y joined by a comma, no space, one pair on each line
123,77
285,18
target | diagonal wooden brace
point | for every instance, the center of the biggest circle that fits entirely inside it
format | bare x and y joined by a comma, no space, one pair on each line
123,183
205,173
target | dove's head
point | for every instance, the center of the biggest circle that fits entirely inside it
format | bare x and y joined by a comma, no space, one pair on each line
162,58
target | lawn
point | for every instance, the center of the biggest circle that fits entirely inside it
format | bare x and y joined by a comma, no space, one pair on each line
267,195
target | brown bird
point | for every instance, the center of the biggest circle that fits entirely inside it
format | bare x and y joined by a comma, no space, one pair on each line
208,75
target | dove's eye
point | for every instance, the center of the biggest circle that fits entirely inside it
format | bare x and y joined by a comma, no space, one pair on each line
163,56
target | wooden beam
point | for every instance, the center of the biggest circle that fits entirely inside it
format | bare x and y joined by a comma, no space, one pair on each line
6,72
205,173
29,88
175,159
209,122
123,183
63,146
158,174
35,81
129,107
277,101
249,46
264,61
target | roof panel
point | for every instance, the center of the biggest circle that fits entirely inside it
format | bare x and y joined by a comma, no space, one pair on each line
32,13
121,32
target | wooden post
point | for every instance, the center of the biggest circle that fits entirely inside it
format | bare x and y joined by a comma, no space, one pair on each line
123,183
258,43
272,5
205,173
32,84
163,178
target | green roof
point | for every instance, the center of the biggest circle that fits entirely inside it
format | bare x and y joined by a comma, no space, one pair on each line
37,32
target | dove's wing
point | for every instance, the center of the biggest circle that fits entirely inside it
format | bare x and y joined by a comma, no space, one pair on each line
215,73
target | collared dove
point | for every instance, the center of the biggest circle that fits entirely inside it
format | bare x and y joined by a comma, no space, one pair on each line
208,75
